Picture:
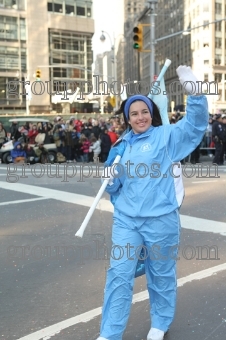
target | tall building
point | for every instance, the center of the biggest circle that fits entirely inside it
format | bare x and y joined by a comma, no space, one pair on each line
103,77
203,48
132,8
53,37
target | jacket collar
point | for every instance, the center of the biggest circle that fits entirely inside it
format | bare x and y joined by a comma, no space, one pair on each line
147,133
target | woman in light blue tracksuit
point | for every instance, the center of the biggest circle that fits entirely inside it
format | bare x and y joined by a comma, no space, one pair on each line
146,195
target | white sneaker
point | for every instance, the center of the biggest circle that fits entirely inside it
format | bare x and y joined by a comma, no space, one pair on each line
101,338
155,334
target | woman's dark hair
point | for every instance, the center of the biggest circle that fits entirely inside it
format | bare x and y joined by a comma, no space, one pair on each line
156,120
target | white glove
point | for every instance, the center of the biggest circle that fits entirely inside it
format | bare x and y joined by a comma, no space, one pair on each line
188,80
109,172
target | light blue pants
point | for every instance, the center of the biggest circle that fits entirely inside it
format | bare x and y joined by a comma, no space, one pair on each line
160,238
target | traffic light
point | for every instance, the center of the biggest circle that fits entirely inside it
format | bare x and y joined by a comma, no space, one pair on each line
38,74
112,101
138,37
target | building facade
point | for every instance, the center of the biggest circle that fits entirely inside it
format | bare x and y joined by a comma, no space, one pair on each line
52,36
203,48
103,79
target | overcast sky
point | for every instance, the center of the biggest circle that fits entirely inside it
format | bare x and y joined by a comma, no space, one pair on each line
108,16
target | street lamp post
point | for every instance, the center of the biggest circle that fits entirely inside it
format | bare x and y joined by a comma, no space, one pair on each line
152,4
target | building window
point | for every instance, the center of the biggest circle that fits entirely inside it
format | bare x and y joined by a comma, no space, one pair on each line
218,77
218,26
217,59
218,8
8,28
9,4
73,49
206,77
13,4
69,9
59,72
219,94
50,7
22,29
197,11
89,12
9,58
9,93
206,24
55,7
58,8
81,11
205,7
218,42
206,62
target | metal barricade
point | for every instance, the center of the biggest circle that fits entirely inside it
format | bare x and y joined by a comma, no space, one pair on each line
207,145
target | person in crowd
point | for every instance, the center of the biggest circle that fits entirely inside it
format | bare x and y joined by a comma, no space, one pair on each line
217,135
59,138
14,132
86,131
46,128
31,155
224,134
75,151
112,134
173,120
105,145
32,134
96,148
42,153
68,140
96,130
78,124
77,146
24,132
18,153
208,137
146,207
195,155
3,135
85,149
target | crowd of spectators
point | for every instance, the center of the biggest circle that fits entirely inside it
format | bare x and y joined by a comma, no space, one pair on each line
88,139
77,140
213,142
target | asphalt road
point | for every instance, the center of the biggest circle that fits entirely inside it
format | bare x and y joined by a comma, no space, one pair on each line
51,283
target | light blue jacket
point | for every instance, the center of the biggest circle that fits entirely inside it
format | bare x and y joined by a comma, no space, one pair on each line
146,187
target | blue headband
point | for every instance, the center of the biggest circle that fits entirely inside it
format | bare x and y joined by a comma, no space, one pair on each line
132,99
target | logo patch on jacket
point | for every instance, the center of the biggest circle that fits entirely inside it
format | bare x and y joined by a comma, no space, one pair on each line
145,147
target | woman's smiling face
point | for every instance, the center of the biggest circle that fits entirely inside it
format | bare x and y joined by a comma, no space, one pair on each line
139,117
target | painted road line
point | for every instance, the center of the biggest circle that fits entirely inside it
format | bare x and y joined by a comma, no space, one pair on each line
50,331
201,224
187,222
25,201
63,196
200,182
